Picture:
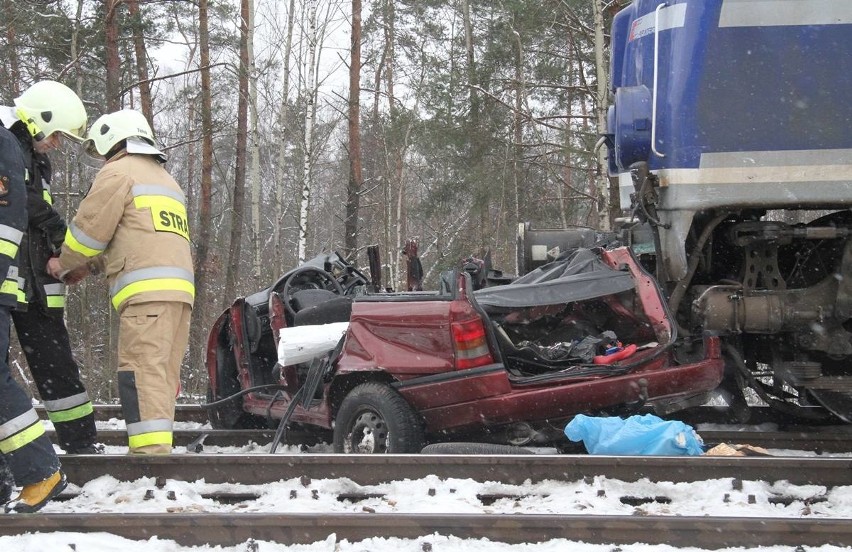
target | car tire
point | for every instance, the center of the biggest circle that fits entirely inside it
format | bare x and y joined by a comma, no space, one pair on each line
473,448
375,419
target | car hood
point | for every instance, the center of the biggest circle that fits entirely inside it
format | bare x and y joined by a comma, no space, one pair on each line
577,275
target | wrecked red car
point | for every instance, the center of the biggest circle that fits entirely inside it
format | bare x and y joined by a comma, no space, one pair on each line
510,364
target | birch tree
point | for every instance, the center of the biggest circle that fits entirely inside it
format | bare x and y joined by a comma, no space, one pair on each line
604,222
310,99
255,146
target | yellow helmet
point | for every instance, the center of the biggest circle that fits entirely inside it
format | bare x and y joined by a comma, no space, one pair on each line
49,106
110,129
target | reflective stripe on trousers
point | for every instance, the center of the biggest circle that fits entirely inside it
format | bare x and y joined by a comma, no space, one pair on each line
149,433
69,409
20,431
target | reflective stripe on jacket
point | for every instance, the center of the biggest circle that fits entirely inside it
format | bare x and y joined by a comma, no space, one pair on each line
134,221
45,192
10,240
55,295
13,214
45,228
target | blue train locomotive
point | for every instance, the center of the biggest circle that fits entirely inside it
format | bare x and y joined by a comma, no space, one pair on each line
731,129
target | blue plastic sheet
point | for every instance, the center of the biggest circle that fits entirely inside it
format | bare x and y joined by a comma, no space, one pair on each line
646,435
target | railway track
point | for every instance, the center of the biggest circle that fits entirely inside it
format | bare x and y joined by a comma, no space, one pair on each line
258,469
105,412
698,415
819,440
305,472
781,434
252,474
233,529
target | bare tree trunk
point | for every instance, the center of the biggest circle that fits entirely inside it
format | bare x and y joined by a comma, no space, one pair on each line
78,74
85,305
285,125
517,147
353,190
567,172
12,43
255,151
113,60
375,144
477,147
141,61
310,93
600,112
395,258
238,206
202,242
113,99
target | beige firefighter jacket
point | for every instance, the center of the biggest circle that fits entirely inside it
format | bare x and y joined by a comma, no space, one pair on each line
133,225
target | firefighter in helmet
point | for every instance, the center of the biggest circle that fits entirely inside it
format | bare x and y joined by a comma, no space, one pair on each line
45,113
25,450
133,225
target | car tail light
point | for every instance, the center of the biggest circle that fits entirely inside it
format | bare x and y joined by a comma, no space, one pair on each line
471,344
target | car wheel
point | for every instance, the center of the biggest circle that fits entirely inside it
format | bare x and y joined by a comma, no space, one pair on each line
375,419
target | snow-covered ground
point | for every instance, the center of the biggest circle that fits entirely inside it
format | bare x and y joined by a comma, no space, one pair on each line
599,495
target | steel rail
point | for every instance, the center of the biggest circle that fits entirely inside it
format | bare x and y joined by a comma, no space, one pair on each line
184,437
696,415
233,529
815,439
834,439
370,469
105,412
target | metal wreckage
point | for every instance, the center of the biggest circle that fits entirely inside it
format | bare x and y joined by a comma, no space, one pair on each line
731,270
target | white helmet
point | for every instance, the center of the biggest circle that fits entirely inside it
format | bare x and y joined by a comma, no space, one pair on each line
127,124
49,106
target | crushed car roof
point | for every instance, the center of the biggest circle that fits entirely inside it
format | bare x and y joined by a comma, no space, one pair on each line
576,275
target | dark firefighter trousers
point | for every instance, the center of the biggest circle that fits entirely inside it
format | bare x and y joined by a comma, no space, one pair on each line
44,340
24,447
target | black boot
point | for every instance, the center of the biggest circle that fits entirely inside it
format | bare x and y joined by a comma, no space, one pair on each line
7,482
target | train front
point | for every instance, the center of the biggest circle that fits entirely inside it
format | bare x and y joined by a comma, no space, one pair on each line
730,126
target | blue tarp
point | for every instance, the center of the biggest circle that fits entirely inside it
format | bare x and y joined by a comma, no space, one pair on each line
646,435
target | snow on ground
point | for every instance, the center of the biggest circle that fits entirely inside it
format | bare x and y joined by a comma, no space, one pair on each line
599,495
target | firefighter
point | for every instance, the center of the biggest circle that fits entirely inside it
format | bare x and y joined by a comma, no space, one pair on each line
133,223
24,446
43,114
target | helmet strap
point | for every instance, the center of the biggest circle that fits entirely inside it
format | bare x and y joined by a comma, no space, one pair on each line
31,125
120,145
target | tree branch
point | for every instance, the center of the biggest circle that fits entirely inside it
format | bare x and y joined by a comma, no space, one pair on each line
164,77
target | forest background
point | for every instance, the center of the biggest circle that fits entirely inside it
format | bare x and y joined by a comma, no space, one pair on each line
301,127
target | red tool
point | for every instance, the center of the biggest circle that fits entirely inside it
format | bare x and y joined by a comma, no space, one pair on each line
621,354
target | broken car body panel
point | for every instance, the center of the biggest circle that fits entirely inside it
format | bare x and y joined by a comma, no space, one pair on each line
459,361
